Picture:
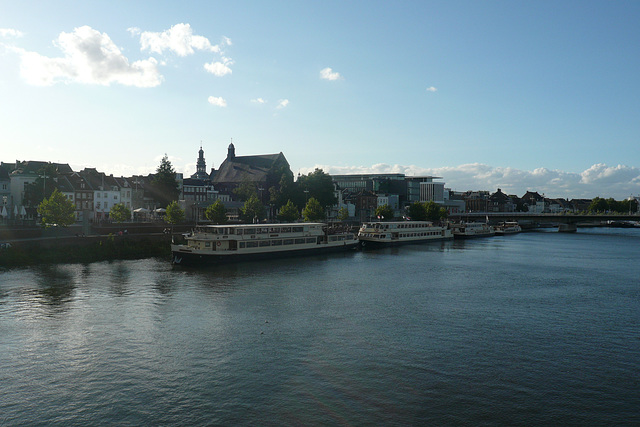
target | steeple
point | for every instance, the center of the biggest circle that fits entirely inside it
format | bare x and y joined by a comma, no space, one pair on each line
201,165
231,152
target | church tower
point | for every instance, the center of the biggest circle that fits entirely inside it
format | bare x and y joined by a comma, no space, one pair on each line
201,166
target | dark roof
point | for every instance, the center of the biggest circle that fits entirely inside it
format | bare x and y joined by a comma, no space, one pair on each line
254,168
4,172
31,166
194,182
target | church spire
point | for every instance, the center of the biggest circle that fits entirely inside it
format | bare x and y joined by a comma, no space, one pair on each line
231,152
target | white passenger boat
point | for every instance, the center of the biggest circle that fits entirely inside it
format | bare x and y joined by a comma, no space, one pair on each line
388,233
507,227
211,244
467,230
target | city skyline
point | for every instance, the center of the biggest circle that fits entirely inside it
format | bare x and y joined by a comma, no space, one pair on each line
537,96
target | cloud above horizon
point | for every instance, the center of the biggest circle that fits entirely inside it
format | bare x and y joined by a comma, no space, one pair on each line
282,104
10,33
329,74
217,101
89,57
599,180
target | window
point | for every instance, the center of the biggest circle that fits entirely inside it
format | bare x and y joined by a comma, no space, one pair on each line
98,195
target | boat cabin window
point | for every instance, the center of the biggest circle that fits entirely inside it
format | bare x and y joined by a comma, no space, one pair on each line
297,229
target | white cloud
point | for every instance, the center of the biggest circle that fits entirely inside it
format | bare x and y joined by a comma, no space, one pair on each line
600,180
432,89
10,33
282,103
90,57
178,39
329,74
218,68
218,101
258,101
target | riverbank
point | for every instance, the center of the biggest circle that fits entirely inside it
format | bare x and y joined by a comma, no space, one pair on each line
77,249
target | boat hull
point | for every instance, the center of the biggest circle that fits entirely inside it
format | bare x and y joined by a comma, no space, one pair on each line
367,242
200,258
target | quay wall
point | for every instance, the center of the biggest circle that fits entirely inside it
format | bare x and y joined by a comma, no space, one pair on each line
78,249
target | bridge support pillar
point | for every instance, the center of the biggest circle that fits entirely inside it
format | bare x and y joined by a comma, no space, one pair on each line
567,228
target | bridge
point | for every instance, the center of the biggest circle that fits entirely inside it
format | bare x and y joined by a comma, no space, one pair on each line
566,222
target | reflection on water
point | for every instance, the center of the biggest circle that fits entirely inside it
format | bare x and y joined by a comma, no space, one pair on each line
55,287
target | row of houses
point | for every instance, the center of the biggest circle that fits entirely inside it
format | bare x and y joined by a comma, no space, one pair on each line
94,193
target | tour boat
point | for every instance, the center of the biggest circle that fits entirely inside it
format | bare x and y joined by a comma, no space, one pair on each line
466,230
211,244
507,227
390,233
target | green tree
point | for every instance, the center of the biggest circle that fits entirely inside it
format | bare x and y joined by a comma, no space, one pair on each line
384,212
216,213
598,205
343,213
432,210
164,182
253,210
319,185
42,187
289,212
246,189
57,209
174,214
417,212
313,211
120,213
285,190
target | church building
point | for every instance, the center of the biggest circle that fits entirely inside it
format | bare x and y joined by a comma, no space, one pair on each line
263,170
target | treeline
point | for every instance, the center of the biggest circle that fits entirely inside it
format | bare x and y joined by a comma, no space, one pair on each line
613,206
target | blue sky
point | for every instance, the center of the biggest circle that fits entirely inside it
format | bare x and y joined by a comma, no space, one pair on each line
541,96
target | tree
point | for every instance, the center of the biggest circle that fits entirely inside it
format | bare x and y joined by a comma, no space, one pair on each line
598,205
289,212
319,186
246,189
165,182
57,210
432,210
42,187
343,213
417,212
120,213
384,212
216,213
174,214
253,210
313,211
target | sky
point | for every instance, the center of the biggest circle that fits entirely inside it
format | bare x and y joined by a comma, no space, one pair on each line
541,96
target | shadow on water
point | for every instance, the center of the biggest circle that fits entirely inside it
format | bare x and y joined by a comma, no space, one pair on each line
120,278
55,287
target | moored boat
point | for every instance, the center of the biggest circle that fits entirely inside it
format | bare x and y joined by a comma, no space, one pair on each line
212,244
467,230
398,232
507,227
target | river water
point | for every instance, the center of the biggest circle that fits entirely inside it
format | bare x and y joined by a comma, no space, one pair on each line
530,329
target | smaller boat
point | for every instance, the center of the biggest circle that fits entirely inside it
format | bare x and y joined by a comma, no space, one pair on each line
507,227
397,232
467,230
